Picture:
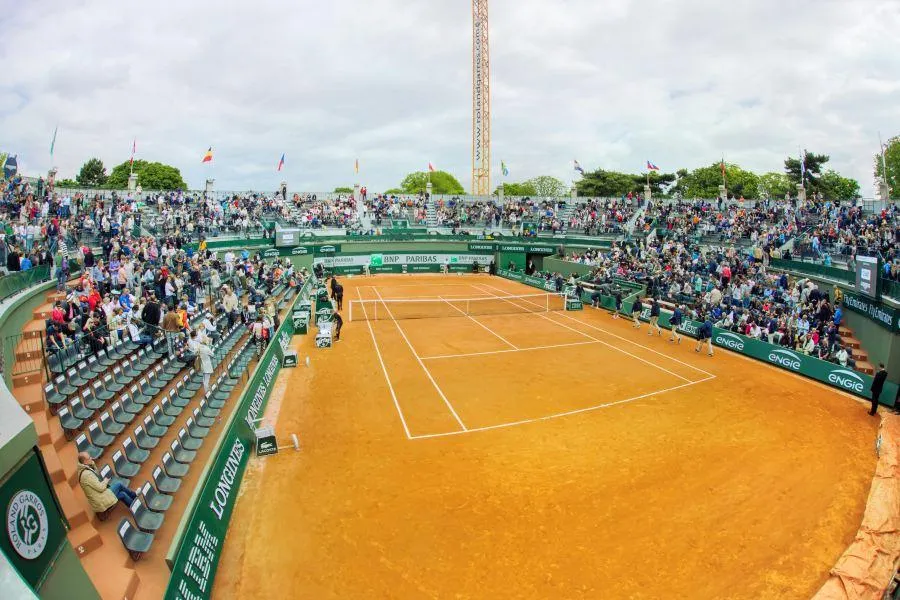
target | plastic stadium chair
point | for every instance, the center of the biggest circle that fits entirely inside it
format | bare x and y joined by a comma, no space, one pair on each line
84,445
160,418
69,423
169,409
188,442
100,439
109,425
110,383
79,411
130,406
94,366
156,501
89,400
152,429
134,453
147,442
120,415
100,392
74,376
196,431
145,519
105,359
173,468
135,541
123,466
163,482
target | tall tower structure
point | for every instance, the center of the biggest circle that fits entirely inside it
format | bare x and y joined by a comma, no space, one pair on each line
481,100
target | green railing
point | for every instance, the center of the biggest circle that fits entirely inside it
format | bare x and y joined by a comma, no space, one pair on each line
813,269
14,283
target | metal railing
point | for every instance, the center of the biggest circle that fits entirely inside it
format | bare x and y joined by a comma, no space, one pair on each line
17,281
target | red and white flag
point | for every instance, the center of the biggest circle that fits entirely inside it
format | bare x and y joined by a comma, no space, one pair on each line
430,167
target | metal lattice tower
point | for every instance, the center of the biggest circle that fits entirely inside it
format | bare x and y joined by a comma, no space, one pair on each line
481,100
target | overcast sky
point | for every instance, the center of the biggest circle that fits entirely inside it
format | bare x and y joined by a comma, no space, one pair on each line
612,84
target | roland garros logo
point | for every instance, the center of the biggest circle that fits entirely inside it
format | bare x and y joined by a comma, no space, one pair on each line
785,358
26,524
730,340
847,380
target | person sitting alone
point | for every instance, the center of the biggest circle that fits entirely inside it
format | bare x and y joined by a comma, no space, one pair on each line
101,494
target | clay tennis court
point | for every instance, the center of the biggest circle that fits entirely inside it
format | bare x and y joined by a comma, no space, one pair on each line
482,446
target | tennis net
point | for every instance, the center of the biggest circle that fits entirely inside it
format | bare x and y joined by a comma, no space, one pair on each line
439,308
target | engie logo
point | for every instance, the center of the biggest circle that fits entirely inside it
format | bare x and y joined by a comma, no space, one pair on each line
847,380
785,358
729,340
299,250
26,524
327,249
270,253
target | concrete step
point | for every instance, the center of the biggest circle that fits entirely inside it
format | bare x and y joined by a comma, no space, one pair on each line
57,435
111,570
42,427
68,457
43,311
859,355
865,367
29,393
25,380
85,539
850,342
74,510
34,328
53,464
842,331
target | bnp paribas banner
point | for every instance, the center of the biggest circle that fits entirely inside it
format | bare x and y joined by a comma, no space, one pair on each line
398,262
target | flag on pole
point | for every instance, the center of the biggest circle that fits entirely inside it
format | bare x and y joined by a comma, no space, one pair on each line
651,166
578,168
722,164
803,167
430,167
503,169
133,151
53,141
280,163
356,166
208,156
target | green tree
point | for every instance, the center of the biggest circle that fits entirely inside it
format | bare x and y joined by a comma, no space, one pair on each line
546,186
517,189
343,190
151,176
814,164
892,158
775,185
67,183
441,183
833,186
705,181
92,174
612,184
393,192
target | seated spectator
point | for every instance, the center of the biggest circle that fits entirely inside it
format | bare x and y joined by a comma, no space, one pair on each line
101,494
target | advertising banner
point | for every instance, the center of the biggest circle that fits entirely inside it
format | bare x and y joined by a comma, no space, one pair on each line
33,528
884,315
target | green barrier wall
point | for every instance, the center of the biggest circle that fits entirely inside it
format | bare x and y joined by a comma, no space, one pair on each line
199,547
825,372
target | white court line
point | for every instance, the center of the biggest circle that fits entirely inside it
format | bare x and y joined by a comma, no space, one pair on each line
587,335
422,284
562,414
638,345
422,364
507,351
485,327
434,297
384,369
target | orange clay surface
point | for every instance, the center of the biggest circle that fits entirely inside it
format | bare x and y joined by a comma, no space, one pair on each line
611,465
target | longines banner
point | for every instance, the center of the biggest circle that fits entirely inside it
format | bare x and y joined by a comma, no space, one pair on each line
33,529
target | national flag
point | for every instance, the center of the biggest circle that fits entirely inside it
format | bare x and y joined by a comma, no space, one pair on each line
208,156
280,163
133,151
53,141
430,168
722,164
651,166
803,166
503,169
356,166
578,168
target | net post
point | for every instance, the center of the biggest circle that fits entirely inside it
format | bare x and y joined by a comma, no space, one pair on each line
350,312
468,309
375,304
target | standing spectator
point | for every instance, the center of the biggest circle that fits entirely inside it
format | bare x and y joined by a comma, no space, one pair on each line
877,386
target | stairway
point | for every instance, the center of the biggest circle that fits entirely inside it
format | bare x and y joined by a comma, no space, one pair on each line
60,458
859,355
564,215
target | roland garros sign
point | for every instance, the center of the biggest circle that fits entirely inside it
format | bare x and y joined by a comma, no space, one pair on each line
27,525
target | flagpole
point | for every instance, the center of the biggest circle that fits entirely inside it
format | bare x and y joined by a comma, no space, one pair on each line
884,171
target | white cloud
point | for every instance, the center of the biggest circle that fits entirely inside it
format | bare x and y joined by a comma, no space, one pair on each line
612,84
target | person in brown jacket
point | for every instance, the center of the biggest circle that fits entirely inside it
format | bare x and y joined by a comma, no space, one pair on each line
171,325
100,493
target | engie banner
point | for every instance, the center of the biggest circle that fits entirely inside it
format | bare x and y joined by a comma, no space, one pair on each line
823,371
197,556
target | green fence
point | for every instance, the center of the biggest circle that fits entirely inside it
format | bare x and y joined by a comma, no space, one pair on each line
813,269
14,283
825,372
199,547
